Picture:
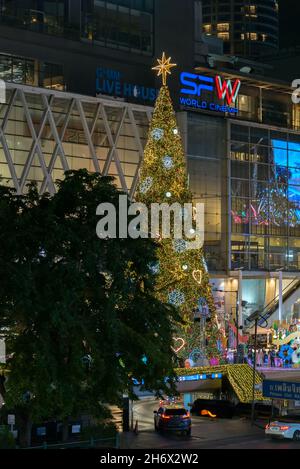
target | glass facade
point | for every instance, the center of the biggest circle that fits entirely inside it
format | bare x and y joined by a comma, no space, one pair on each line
44,16
120,24
32,72
265,198
206,148
247,27
75,133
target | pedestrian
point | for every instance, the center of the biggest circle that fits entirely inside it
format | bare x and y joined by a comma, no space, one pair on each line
272,358
260,358
266,358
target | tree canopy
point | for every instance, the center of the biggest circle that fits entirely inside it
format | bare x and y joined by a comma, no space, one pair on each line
78,313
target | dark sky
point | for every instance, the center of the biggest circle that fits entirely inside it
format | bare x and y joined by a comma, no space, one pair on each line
289,22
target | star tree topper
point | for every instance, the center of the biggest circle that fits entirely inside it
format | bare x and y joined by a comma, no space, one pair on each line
164,68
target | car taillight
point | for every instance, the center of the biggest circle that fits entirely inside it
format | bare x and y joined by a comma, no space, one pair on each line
166,417
267,427
284,428
187,416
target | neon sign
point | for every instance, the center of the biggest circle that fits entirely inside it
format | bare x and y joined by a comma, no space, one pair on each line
110,82
193,86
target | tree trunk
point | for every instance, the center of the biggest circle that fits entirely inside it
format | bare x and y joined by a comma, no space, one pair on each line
25,432
65,430
2,386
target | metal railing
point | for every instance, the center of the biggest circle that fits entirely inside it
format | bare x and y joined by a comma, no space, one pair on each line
112,442
271,307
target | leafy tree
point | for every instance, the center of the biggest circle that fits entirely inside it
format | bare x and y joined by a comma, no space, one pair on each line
79,313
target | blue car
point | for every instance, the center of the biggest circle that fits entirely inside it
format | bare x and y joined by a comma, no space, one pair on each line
175,419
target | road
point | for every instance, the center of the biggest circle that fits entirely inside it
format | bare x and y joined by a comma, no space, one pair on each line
206,433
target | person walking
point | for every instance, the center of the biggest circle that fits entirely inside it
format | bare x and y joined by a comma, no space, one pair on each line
272,357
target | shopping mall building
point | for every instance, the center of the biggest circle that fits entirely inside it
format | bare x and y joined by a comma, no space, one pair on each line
80,94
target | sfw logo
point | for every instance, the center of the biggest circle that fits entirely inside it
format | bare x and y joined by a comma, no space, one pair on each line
196,84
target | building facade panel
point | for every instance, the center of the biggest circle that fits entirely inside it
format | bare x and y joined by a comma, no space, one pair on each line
45,133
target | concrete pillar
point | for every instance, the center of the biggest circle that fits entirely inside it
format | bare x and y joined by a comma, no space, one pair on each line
187,399
240,300
280,304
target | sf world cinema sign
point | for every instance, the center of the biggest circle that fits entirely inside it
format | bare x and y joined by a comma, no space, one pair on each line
193,87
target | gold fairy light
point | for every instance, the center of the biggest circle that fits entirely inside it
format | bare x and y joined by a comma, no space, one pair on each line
164,68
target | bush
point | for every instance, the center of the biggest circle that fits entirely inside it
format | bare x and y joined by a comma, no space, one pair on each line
7,440
99,431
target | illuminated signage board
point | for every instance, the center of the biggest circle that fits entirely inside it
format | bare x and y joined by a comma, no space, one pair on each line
281,390
193,86
111,83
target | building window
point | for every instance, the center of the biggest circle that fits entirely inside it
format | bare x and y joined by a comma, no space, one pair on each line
45,16
250,11
207,28
296,117
31,72
265,192
224,36
126,25
223,27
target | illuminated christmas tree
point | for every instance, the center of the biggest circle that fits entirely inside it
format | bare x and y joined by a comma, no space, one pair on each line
180,274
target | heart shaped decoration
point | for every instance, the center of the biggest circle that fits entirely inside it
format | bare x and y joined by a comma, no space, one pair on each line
180,345
197,276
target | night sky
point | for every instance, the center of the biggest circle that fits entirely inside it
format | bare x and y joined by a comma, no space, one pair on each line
289,18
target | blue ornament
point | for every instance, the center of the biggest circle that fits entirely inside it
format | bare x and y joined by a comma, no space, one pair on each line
176,298
180,245
168,162
146,185
157,134
144,359
154,267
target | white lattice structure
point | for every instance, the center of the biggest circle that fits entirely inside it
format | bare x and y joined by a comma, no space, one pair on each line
44,133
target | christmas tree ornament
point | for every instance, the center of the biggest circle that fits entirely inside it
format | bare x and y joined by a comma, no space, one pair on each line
180,245
168,162
176,298
179,344
164,68
157,134
185,267
197,276
146,185
175,131
154,267
168,195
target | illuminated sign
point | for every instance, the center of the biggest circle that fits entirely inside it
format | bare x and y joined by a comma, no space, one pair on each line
111,83
194,85
281,390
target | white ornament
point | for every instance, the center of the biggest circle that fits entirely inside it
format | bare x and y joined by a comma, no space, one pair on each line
168,162
175,131
154,267
146,185
176,298
197,276
179,245
168,195
185,267
157,134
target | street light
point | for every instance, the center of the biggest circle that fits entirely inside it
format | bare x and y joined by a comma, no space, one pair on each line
256,316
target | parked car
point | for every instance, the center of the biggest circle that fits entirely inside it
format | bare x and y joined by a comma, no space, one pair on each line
173,419
213,408
283,429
